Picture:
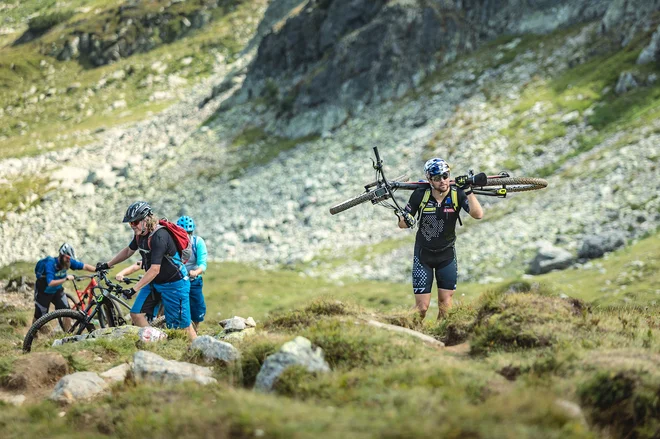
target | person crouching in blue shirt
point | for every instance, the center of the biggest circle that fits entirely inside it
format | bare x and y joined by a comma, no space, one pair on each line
51,274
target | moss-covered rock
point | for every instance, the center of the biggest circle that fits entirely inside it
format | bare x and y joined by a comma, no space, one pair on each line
520,321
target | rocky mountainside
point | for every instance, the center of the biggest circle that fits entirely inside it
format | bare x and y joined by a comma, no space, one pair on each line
310,69
576,106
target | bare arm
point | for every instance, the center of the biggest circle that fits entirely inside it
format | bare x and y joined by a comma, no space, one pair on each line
128,271
56,282
121,256
148,277
89,268
476,211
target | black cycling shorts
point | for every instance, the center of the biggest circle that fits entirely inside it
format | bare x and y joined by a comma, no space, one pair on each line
42,301
426,264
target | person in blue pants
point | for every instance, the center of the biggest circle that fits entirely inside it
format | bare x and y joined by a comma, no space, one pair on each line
166,278
196,265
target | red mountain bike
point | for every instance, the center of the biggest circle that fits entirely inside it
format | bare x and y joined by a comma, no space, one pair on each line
86,296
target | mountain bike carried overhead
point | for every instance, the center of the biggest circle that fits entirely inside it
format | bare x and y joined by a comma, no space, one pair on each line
381,190
103,305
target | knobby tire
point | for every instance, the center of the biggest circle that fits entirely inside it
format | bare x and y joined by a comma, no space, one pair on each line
367,196
78,325
517,184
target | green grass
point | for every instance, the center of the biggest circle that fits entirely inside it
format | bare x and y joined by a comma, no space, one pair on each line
552,348
34,122
630,276
23,193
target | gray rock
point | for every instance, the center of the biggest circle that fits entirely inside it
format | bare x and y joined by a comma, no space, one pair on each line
235,336
298,352
213,349
625,83
650,53
595,246
149,367
117,373
550,258
116,332
78,386
234,324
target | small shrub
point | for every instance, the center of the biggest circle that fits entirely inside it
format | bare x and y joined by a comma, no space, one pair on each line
307,316
457,326
253,357
291,380
347,345
271,92
624,402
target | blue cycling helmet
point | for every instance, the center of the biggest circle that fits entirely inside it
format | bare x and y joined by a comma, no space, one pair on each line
436,166
186,223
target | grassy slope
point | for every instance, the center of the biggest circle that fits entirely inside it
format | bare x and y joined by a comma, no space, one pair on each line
59,121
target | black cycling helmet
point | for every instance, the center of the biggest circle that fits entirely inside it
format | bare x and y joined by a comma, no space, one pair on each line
137,212
67,250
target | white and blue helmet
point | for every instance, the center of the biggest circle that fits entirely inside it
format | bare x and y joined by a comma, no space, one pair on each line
67,250
436,166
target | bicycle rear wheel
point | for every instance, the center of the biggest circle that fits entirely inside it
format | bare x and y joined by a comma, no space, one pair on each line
516,184
45,324
367,196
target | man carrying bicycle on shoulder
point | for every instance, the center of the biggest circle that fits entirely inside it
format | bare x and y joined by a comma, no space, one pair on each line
166,278
51,274
435,254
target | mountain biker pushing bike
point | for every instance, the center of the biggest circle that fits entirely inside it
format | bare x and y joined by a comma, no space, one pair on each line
166,278
434,244
196,265
51,275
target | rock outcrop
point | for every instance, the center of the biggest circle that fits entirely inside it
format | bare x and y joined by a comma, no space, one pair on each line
335,56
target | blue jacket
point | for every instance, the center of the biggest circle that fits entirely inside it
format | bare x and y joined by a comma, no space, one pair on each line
53,271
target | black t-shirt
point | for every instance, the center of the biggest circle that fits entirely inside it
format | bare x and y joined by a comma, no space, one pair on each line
437,222
163,251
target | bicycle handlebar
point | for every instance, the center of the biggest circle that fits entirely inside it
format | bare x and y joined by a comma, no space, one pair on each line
377,155
129,280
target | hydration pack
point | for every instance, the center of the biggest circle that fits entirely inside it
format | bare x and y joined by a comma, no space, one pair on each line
454,202
40,268
181,239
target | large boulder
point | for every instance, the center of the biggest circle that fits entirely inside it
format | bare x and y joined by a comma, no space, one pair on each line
595,246
78,386
117,373
150,367
298,352
549,257
215,350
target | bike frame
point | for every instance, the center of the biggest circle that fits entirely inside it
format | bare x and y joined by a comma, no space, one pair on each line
385,189
85,296
99,294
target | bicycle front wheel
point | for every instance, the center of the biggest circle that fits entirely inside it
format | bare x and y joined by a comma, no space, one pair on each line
367,196
516,184
48,324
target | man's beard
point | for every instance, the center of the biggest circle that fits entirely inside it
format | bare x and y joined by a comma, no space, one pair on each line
65,264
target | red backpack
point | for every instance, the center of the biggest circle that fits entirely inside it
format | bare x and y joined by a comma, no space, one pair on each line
181,239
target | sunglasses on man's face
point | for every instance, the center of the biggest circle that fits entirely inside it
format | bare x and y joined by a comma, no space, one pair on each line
135,223
440,177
